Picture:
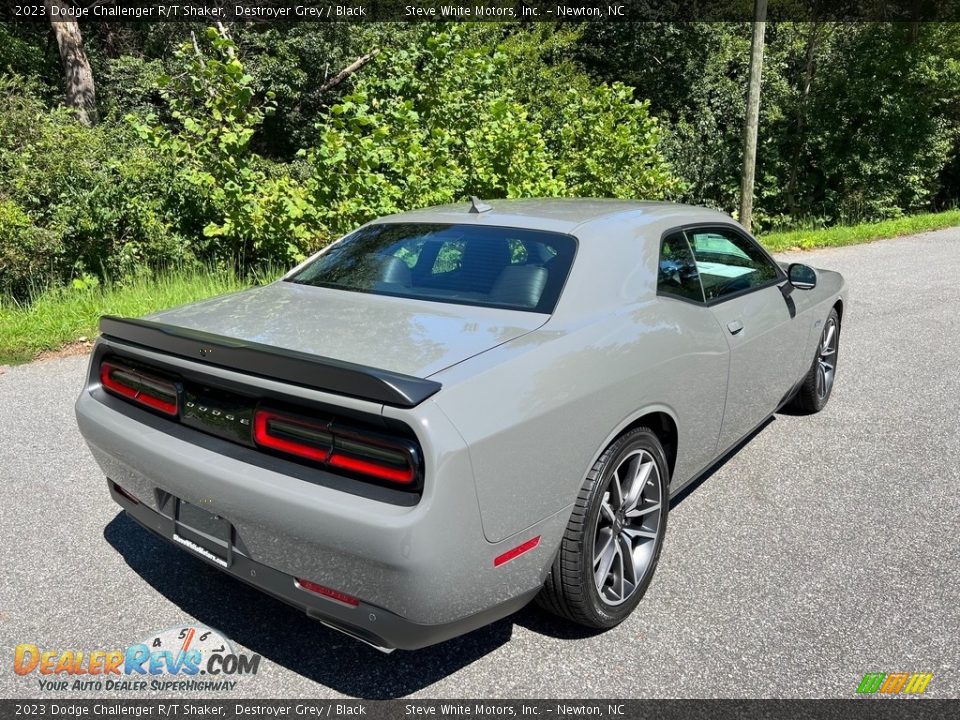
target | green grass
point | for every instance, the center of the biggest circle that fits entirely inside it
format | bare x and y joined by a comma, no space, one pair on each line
58,317
853,234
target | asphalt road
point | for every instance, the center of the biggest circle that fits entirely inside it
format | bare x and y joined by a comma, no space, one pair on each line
827,547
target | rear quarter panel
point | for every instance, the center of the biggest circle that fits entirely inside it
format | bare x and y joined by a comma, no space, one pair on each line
537,412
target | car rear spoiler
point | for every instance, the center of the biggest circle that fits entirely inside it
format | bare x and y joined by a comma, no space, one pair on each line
290,366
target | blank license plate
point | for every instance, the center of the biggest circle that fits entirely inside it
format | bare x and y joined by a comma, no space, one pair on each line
203,532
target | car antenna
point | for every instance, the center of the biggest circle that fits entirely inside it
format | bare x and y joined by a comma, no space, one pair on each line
478,206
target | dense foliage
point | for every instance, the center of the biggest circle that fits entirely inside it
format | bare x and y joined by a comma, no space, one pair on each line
859,121
229,146
243,207
443,120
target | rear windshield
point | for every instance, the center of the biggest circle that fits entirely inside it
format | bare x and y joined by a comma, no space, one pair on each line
463,264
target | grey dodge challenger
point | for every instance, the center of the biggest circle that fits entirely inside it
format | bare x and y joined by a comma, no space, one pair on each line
452,411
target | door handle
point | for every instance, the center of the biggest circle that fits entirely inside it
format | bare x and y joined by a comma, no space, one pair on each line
734,326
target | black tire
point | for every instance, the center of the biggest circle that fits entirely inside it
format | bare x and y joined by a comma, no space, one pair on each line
812,396
571,590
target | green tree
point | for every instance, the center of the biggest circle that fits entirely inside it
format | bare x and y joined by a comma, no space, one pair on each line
447,117
250,211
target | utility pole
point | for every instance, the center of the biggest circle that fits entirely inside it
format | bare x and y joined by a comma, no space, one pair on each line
753,113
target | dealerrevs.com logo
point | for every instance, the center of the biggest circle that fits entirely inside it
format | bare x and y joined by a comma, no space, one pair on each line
191,659
900,683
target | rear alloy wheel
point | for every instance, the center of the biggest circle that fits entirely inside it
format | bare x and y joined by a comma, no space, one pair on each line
818,384
613,540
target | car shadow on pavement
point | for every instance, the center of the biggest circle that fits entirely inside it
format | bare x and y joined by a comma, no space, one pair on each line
287,637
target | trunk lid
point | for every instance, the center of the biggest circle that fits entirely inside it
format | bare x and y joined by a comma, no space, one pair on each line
412,337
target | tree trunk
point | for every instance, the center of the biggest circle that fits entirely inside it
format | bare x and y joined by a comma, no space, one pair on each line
801,115
349,70
77,76
753,114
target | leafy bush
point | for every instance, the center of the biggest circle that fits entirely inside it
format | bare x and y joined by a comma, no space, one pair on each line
424,127
608,145
248,212
441,120
128,84
29,255
885,121
79,200
22,56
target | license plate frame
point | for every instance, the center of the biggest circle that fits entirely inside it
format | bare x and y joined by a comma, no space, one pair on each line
206,534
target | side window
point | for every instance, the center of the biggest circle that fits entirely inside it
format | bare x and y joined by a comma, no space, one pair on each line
729,262
678,275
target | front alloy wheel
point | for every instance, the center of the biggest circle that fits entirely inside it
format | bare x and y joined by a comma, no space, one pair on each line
827,358
612,543
814,392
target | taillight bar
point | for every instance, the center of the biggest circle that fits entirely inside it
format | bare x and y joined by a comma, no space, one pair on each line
364,467
147,390
341,447
355,452
294,437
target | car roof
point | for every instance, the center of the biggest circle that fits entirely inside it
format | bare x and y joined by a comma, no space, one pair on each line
557,214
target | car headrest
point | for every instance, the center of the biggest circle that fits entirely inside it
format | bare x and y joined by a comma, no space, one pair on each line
486,254
393,270
481,264
520,285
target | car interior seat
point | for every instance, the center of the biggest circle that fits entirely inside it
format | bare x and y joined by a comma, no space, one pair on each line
482,263
520,285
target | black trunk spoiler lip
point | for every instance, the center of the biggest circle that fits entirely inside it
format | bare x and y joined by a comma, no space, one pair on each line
289,366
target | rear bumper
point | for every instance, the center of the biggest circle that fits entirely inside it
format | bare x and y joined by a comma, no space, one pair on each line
368,623
425,571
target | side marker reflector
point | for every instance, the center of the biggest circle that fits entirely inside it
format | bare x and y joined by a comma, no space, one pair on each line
124,493
516,552
326,592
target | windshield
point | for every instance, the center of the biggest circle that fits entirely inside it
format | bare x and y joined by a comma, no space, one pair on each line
464,264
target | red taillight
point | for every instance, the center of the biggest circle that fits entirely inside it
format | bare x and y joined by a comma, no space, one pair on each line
296,438
365,467
146,390
516,552
327,592
327,444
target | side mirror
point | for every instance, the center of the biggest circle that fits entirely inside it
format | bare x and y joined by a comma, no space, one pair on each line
802,277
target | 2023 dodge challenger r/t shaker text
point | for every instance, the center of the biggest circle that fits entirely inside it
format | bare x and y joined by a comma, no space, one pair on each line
452,411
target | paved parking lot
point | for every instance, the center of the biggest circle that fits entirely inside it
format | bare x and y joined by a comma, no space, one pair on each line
827,547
